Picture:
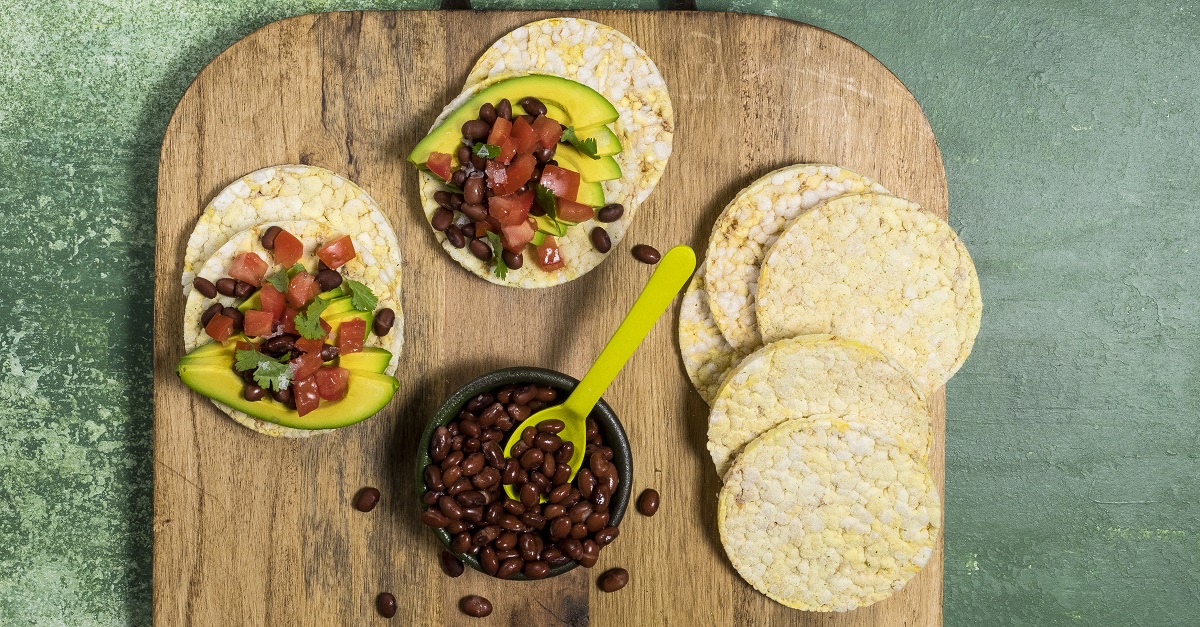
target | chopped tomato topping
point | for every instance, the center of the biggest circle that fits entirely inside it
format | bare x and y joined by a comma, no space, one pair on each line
326,328
508,150
572,211
301,289
497,174
511,210
257,323
273,300
548,256
515,237
245,346
219,328
248,267
336,253
351,334
306,394
500,130
523,134
288,249
516,174
564,183
481,228
548,131
310,346
439,164
332,382
289,321
305,365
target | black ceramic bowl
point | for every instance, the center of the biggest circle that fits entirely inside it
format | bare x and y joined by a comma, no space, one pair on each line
606,419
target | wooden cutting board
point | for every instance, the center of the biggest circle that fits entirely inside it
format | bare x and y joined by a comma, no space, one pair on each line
250,530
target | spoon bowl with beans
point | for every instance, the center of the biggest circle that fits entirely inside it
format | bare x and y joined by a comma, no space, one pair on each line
568,421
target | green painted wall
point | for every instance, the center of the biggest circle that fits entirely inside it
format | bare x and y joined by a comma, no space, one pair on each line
1069,132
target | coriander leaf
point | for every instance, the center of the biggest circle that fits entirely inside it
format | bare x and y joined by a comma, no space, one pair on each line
586,146
269,374
248,359
549,204
280,279
501,267
487,151
361,296
308,324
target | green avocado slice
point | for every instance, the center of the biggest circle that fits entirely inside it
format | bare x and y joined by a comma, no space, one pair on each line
574,103
607,143
370,359
367,393
336,306
590,194
336,320
590,170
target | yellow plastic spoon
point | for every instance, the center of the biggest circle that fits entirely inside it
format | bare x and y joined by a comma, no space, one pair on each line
668,278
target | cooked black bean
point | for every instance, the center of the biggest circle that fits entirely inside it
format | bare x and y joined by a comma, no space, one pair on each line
537,570
235,315
572,547
475,130
646,254
488,560
384,319
329,279
504,109
529,495
205,287
481,250
474,190
533,106
329,352
463,154
600,240
451,565
434,517
441,219
606,535
475,211
543,155
366,499
552,426
280,344
458,178
212,310
243,289
455,237
610,212
385,604
451,475
586,481
613,579
647,503
226,286
597,521
487,113
253,393
268,239
532,459
591,553
479,163
518,412
514,261
442,197
461,543
450,508
509,567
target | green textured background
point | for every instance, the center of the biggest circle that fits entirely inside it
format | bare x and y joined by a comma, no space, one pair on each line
1069,132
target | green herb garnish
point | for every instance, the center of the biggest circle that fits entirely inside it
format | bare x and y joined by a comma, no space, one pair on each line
586,146
308,324
487,151
269,374
501,267
361,296
549,204
280,279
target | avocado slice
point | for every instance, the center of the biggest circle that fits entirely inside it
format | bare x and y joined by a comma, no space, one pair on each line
367,393
216,349
539,238
574,103
607,143
370,359
254,301
548,226
590,194
590,170
336,306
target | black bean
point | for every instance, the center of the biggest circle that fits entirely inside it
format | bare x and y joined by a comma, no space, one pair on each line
205,287
610,212
384,319
475,130
565,453
461,543
455,237
464,154
475,211
280,344
487,113
329,352
504,109
488,560
647,503
328,279
283,396
243,289
212,310
451,565
458,178
613,579
253,393
537,570
385,604
508,568
226,286
268,238
543,155
366,499
606,535
590,554
441,219
514,261
533,106
479,163
235,315
646,254
442,197
481,250
474,190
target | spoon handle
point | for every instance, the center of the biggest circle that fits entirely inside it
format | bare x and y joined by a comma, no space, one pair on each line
668,278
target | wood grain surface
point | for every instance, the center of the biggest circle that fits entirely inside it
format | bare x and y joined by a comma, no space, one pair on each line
250,530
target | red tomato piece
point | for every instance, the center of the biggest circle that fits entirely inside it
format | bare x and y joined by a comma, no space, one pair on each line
305,365
310,346
351,334
245,346
273,300
481,228
514,238
548,131
332,382
572,211
523,134
336,253
289,321
512,209
288,249
257,323
301,289
306,395
516,174
548,256
508,150
439,164
248,267
497,174
564,183
219,328
326,328
500,130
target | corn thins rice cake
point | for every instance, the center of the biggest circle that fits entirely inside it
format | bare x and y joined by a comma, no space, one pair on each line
810,375
706,354
312,234
878,269
829,515
609,62
750,224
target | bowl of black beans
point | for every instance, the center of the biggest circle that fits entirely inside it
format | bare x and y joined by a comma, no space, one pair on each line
559,523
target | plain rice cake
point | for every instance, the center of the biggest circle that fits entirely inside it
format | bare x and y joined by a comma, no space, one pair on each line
707,356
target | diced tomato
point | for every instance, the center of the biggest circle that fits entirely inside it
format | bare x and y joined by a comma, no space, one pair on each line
310,346
306,394
326,328
481,228
548,256
248,267
508,150
301,289
257,323
522,133
572,211
514,238
497,174
219,328
351,334
500,130
273,300
512,209
564,183
332,382
548,131
516,174
245,346
306,365
336,253
439,164
289,321
288,249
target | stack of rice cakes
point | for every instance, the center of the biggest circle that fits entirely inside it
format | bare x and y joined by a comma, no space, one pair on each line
825,314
